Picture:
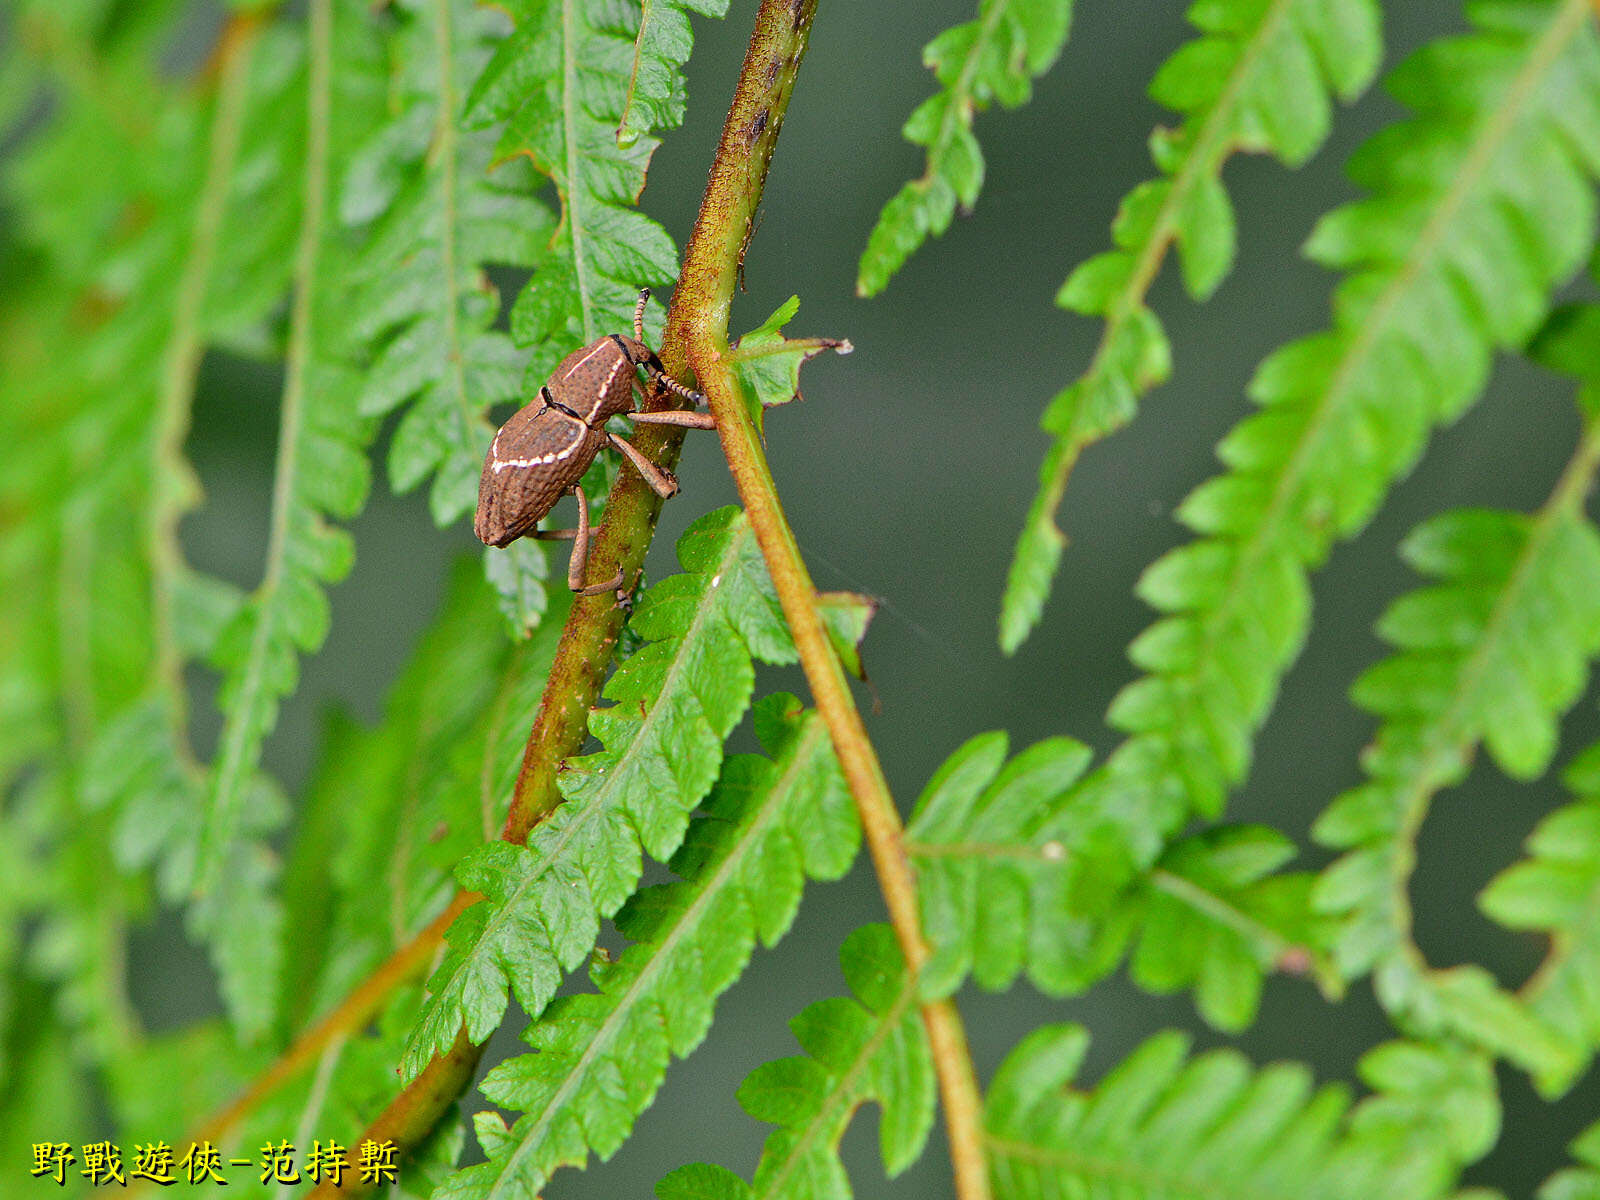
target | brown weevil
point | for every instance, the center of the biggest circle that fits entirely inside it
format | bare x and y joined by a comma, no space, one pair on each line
541,453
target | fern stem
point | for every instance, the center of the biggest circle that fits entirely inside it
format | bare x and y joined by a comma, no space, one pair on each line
699,321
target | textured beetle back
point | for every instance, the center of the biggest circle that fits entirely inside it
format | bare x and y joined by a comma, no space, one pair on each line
531,463
596,382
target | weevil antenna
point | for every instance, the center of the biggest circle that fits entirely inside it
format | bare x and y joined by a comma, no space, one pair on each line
638,313
659,374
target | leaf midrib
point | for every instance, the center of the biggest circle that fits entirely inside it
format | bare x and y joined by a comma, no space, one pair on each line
447,145
223,811
569,117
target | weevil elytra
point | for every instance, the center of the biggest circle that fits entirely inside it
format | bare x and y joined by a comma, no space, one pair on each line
541,453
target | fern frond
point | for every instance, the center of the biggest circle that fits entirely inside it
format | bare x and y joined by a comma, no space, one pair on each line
1164,1124
675,700
62,905
73,532
1258,80
1494,651
1001,896
655,97
1217,914
553,86
169,255
867,1047
995,57
1556,891
1446,264
599,1058
77,914
393,808
321,473
426,306
768,363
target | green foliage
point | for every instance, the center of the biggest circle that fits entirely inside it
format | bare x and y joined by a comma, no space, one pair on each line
342,189
203,267
552,87
1258,79
1556,891
768,364
674,702
392,809
1345,412
426,308
1494,651
1001,896
1164,1124
994,57
1581,1182
599,1058
199,1070
321,473
655,98
869,1046
71,534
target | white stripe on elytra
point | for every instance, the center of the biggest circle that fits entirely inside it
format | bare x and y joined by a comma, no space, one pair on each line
543,459
599,346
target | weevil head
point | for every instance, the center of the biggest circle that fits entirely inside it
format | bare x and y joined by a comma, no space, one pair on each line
636,351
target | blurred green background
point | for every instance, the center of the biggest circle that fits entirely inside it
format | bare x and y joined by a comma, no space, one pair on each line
906,473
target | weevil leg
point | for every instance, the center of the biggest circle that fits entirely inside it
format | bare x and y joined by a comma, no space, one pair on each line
577,565
663,482
562,535
674,416
671,416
